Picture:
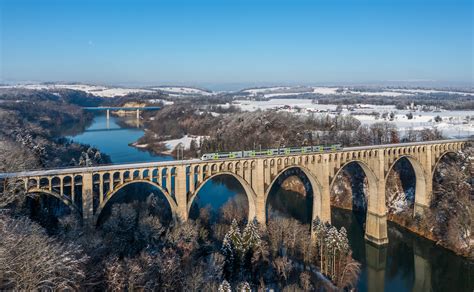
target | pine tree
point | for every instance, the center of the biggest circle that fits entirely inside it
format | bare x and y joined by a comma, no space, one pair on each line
251,236
73,162
224,287
97,157
228,252
235,236
244,287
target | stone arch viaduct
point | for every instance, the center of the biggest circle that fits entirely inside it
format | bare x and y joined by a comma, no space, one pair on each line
87,190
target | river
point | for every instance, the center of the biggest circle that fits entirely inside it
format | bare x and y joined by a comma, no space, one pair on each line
407,263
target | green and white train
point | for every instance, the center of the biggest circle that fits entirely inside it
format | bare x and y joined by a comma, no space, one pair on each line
271,152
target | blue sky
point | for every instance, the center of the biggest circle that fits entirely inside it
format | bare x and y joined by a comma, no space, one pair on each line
229,41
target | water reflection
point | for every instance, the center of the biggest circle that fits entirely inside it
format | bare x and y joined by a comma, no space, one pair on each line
407,263
283,202
221,194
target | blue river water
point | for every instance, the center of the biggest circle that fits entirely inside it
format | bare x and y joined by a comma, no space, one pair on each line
407,263
110,138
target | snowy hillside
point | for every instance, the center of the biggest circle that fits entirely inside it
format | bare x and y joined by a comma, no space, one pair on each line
97,90
182,91
295,91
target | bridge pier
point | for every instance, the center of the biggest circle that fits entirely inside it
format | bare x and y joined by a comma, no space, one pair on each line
108,114
323,211
138,118
376,228
180,193
258,184
87,200
420,209
376,224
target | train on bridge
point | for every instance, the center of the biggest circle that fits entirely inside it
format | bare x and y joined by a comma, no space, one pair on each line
271,152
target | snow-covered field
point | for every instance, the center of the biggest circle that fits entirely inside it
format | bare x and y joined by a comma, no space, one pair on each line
427,91
105,91
453,124
183,90
270,92
97,90
252,105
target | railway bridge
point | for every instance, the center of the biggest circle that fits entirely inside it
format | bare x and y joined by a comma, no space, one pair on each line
87,190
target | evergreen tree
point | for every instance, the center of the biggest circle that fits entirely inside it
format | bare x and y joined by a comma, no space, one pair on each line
251,236
97,157
235,236
224,287
227,250
244,287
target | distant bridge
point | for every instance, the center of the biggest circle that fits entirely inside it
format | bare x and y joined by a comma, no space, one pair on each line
180,181
106,130
122,108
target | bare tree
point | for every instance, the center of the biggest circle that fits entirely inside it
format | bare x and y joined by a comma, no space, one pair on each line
30,260
13,158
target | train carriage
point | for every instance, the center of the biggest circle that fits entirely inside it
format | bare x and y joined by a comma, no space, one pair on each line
271,152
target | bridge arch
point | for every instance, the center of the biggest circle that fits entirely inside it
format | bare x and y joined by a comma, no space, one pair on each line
372,194
112,193
72,206
438,160
251,197
316,187
421,177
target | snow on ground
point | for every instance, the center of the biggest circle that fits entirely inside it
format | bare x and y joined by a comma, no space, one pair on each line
97,90
428,91
453,124
163,101
325,90
111,92
182,90
298,90
271,95
344,91
185,141
255,91
252,105
379,93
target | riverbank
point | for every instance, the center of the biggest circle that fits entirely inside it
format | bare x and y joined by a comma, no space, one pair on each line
407,263
34,129
409,226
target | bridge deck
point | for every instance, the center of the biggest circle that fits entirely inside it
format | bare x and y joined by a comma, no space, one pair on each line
126,108
69,170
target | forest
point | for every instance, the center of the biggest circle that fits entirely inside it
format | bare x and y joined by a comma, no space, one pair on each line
33,126
236,130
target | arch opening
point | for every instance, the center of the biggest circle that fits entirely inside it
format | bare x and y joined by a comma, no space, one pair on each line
350,191
220,199
139,198
47,209
290,195
405,185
